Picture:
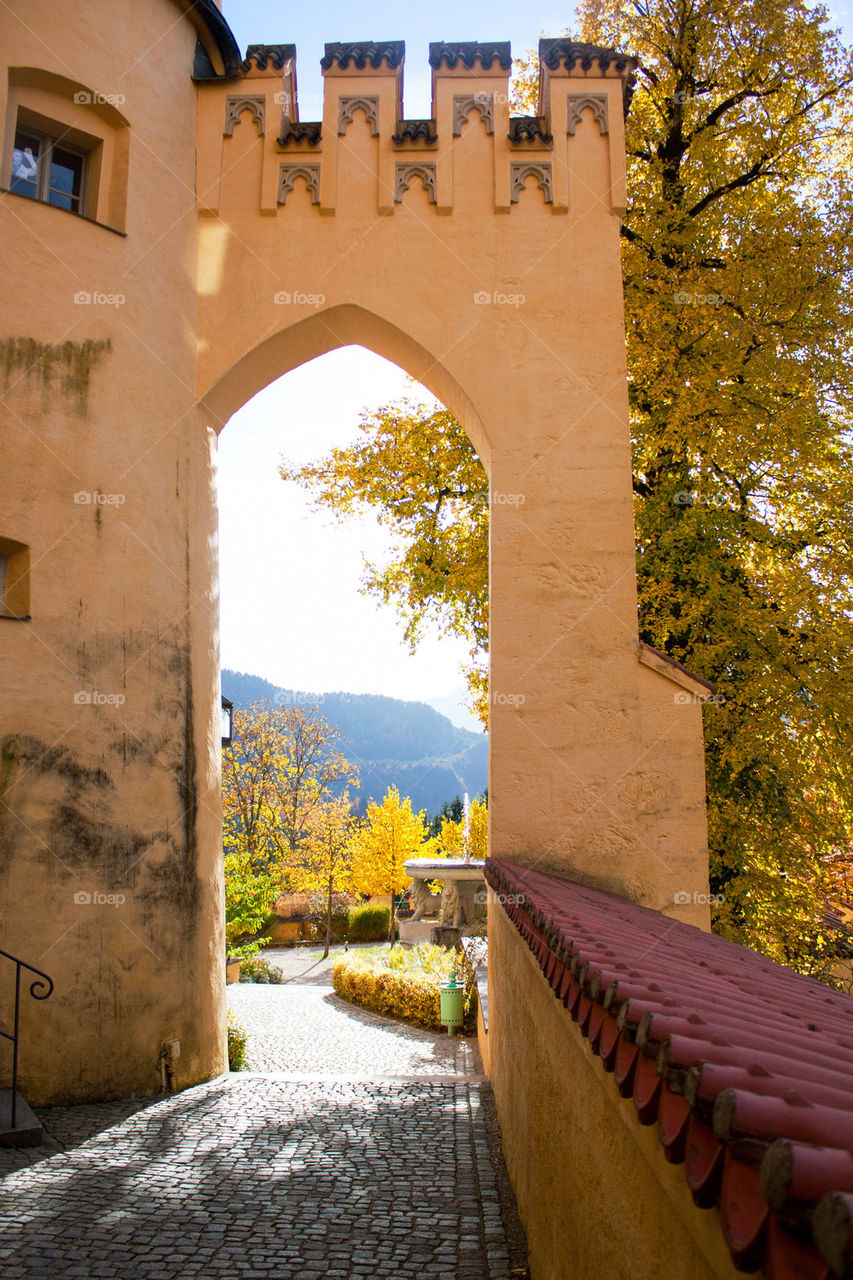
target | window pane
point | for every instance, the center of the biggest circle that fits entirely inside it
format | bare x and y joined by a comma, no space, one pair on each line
25,164
66,179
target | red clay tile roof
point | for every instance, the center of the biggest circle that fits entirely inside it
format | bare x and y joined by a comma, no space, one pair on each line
746,1067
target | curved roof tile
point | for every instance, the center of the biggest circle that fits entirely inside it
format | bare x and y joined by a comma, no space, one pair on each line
743,1065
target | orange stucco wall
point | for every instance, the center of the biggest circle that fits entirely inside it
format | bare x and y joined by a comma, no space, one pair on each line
110,862
595,1193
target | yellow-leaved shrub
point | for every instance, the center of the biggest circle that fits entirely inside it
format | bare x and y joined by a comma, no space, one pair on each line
385,983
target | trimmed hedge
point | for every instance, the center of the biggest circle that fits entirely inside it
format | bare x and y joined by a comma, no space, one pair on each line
399,983
368,923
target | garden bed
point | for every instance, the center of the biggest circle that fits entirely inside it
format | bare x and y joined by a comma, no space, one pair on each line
401,982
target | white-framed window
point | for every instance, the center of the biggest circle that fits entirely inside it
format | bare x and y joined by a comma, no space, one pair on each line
49,169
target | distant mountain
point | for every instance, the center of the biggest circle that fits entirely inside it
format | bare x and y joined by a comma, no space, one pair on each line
454,706
407,744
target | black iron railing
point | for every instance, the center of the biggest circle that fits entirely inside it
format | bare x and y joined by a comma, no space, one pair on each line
40,989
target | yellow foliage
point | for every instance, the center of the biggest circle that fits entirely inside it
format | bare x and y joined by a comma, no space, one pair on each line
412,992
452,842
390,834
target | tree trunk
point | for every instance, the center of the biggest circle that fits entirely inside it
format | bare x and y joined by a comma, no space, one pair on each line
328,920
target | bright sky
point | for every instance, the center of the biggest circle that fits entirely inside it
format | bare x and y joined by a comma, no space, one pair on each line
291,607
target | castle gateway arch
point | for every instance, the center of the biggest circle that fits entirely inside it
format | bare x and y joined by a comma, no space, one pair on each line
178,237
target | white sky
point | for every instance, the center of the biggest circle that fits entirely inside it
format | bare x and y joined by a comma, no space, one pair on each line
291,608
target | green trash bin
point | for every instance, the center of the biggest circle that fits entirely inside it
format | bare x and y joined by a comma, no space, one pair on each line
452,1003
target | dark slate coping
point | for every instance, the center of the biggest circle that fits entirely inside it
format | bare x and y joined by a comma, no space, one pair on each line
259,56
415,130
301,131
678,666
529,129
572,52
470,51
364,53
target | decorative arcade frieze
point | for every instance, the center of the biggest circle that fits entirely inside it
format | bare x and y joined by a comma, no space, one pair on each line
583,93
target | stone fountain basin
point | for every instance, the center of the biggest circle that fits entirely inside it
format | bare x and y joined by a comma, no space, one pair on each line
444,869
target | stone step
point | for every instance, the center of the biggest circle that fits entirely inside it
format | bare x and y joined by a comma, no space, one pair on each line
28,1131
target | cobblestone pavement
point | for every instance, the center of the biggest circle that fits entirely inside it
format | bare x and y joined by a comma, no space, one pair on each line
370,1155
294,1028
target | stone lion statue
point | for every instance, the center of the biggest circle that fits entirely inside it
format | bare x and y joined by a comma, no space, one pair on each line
423,902
452,908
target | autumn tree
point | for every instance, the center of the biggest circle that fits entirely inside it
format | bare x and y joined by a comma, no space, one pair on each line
737,268
282,764
389,834
414,467
278,773
327,854
250,891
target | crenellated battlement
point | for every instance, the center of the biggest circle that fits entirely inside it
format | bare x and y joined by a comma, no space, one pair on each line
470,142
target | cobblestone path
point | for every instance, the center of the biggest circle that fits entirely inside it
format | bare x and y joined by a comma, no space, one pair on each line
364,1152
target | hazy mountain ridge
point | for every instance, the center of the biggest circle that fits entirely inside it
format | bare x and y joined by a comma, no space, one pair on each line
393,742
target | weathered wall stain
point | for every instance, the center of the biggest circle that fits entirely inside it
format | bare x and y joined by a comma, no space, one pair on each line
43,362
